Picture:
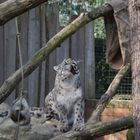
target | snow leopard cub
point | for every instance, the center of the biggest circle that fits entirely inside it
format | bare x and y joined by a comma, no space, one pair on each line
66,100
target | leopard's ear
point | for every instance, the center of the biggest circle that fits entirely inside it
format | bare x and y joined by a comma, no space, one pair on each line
56,68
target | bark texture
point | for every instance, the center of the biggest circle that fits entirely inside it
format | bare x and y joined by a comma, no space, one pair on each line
10,83
111,91
13,8
134,12
45,131
98,130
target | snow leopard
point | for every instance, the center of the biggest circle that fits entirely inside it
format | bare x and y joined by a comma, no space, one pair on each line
66,100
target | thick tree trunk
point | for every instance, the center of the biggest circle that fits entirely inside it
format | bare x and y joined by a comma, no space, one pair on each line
134,12
13,8
111,91
98,129
10,84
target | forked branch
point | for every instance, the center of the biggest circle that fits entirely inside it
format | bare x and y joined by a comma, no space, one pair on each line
111,91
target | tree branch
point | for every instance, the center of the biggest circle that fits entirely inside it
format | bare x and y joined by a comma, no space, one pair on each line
111,91
10,83
13,8
99,129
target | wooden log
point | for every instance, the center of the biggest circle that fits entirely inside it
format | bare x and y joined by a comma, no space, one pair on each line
134,13
13,8
98,129
111,91
9,51
10,83
38,130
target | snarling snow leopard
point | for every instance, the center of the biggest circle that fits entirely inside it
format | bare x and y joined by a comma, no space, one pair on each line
66,100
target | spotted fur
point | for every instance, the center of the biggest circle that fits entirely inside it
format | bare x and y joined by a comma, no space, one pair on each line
66,100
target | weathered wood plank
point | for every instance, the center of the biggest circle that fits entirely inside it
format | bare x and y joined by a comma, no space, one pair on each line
62,52
81,54
41,86
1,52
47,58
23,19
74,44
9,52
77,51
53,26
33,46
1,55
89,62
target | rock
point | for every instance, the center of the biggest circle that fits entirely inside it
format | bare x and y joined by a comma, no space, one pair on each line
34,131
4,112
38,129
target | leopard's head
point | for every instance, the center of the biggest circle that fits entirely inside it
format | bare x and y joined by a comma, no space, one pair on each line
68,69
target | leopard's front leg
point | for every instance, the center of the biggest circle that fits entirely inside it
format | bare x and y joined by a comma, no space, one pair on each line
79,123
63,120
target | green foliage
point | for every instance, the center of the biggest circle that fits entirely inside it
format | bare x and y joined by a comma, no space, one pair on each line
99,28
72,8
102,80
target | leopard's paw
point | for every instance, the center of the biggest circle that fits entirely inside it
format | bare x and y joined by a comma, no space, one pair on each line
63,128
78,127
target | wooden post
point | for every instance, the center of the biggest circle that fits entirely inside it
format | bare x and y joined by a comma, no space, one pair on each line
134,12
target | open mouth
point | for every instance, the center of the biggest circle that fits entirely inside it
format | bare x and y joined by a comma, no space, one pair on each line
74,70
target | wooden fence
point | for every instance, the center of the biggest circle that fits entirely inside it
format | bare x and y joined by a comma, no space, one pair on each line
37,26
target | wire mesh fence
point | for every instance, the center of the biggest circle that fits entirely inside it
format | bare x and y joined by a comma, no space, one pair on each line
104,74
